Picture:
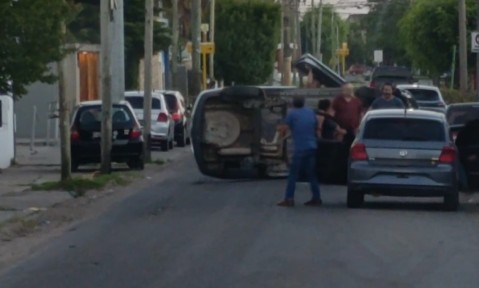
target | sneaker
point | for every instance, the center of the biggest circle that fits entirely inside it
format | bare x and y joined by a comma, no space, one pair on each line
314,202
286,203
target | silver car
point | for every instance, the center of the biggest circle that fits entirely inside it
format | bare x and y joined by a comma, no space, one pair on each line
162,123
403,153
427,97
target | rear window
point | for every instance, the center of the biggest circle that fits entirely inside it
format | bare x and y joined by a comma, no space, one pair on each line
89,117
137,102
462,115
400,129
424,94
171,102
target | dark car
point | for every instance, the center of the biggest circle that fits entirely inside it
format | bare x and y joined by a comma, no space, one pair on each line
463,122
391,74
127,146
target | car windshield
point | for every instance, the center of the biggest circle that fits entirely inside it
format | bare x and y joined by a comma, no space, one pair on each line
137,102
460,115
424,94
89,117
401,129
171,102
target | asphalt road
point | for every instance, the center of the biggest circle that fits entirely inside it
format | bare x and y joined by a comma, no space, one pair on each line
193,231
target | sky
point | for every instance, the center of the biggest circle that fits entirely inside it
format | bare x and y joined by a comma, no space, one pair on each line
343,7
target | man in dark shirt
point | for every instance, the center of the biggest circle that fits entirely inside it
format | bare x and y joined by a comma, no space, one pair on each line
303,125
387,100
348,109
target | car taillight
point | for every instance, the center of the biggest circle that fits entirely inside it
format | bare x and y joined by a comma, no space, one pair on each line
135,133
358,152
74,136
448,155
162,117
177,116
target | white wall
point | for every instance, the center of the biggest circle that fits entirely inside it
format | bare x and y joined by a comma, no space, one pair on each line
7,128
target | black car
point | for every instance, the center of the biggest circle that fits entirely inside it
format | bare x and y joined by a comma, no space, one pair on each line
463,122
127,145
391,74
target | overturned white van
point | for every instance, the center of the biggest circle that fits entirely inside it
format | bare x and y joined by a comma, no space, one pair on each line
7,130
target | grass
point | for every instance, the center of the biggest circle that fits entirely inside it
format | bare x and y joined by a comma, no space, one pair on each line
80,185
19,226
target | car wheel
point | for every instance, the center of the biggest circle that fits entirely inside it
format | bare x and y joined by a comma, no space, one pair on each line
181,141
137,163
355,198
451,201
165,145
171,144
74,165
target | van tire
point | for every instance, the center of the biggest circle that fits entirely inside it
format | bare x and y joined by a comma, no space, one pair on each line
355,199
451,201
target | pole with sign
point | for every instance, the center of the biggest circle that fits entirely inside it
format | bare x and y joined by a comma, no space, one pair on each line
378,57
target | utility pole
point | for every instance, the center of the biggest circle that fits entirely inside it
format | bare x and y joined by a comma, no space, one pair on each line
174,45
196,55
462,47
148,78
64,120
106,17
320,26
212,37
477,54
287,53
314,42
117,40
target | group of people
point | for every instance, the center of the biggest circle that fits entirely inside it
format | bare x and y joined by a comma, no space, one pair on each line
333,120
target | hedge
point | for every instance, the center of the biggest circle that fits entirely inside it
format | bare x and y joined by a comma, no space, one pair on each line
454,96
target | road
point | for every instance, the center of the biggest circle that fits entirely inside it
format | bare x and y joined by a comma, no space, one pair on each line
194,231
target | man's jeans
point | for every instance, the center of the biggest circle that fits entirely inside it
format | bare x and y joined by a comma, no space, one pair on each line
303,161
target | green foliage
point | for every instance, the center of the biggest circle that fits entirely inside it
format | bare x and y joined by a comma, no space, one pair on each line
430,29
455,96
86,28
383,30
247,36
32,38
328,40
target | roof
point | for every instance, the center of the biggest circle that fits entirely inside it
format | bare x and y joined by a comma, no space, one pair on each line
415,86
98,102
411,113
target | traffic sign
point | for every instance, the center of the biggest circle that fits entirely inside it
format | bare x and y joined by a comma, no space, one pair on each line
475,42
205,48
378,56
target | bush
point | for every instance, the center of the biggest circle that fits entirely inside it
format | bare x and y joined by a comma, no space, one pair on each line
454,96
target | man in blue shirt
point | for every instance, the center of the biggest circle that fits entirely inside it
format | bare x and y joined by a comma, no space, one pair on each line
387,100
303,124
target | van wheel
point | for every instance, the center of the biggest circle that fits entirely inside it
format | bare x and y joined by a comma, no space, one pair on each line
355,198
451,201
165,145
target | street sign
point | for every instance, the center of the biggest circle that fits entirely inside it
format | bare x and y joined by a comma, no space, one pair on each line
205,48
378,56
205,28
475,42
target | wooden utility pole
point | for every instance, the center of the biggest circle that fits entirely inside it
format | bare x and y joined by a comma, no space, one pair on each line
149,6
196,57
106,84
64,122
174,45
313,29
212,37
477,54
287,53
462,47
319,36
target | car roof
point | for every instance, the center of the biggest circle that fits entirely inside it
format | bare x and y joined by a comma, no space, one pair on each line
99,102
142,94
418,86
474,104
409,113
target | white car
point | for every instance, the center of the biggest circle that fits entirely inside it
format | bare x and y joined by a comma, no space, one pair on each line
427,97
177,107
162,122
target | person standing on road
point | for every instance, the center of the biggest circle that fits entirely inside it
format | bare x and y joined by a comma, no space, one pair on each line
387,100
303,124
348,109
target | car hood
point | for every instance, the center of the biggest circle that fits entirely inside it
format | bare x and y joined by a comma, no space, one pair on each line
323,73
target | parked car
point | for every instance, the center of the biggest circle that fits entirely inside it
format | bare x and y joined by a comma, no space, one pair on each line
127,146
427,97
390,74
403,153
162,123
176,105
463,121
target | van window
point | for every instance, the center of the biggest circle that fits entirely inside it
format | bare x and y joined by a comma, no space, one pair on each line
401,129
137,102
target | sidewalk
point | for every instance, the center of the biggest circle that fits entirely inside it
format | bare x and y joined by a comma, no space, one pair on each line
39,166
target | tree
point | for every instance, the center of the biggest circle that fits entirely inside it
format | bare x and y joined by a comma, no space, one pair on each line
31,39
328,40
358,51
383,31
430,30
247,36
86,28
